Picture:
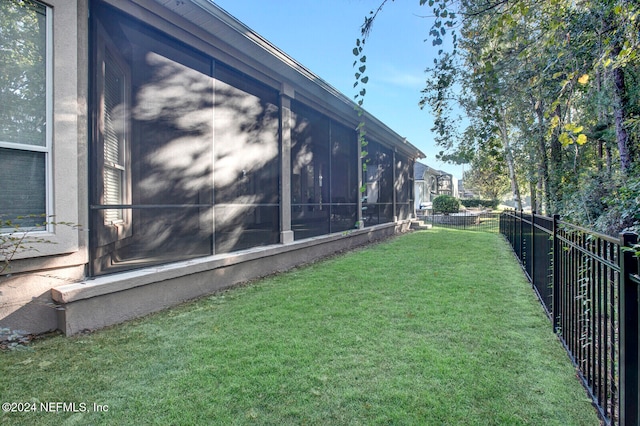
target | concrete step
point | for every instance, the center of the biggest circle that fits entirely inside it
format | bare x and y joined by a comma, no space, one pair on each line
420,225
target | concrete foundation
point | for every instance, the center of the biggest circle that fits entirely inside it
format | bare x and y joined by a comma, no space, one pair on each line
112,299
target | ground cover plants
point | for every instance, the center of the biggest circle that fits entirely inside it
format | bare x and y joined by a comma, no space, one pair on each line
432,327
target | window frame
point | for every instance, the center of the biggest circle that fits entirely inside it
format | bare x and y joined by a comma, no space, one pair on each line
47,149
111,231
66,166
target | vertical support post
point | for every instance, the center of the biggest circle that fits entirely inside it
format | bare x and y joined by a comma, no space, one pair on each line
555,289
628,308
533,249
395,177
512,229
286,94
520,240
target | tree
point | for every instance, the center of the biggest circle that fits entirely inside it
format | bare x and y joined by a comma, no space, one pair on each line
487,176
556,82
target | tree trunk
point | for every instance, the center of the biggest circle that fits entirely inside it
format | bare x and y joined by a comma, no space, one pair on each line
534,196
543,162
621,107
620,102
555,171
508,155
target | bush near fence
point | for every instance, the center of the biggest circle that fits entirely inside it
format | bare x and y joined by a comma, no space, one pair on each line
476,202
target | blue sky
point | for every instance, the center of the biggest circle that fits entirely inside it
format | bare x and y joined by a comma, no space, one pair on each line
321,34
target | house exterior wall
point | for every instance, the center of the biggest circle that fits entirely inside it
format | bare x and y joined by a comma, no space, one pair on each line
25,296
211,158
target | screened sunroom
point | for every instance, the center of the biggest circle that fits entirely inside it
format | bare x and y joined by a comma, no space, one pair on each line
192,153
186,155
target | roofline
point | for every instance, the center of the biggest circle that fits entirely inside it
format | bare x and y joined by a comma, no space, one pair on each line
255,51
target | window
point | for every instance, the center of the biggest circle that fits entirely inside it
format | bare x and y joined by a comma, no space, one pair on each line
25,96
152,147
113,83
324,174
403,186
114,107
377,206
310,178
344,178
246,162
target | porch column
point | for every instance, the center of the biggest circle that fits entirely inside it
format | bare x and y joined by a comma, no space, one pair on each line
395,182
286,94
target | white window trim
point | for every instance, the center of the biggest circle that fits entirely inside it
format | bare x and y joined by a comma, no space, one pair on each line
47,148
49,117
64,133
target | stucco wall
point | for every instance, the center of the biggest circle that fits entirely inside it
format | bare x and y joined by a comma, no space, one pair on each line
116,298
25,302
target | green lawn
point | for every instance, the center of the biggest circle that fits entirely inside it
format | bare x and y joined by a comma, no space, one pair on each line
433,327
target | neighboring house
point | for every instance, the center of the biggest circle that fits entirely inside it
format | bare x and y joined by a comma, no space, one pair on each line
464,191
194,153
429,183
425,184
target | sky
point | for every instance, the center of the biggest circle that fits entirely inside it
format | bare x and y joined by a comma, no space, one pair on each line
321,35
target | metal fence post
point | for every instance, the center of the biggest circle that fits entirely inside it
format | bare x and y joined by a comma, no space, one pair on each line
533,248
555,289
520,239
628,332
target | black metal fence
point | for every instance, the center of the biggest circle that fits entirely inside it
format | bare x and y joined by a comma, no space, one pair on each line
588,285
468,220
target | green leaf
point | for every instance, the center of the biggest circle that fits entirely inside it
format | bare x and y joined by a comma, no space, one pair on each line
564,139
365,80
363,59
355,51
582,139
362,68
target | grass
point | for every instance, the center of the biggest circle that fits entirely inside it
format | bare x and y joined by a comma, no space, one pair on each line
433,327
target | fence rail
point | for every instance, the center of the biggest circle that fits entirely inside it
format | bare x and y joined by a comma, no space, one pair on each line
468,220
588,284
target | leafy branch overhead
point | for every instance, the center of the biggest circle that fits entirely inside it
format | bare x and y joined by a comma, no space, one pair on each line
360,63
553,85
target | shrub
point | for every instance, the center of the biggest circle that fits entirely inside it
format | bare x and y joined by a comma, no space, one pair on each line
622,212
476,202
446,204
